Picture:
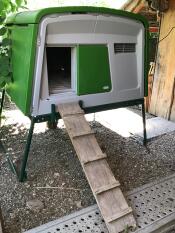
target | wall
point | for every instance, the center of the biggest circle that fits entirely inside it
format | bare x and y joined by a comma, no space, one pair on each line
162,100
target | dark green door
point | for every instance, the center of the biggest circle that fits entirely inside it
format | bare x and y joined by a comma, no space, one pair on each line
93,71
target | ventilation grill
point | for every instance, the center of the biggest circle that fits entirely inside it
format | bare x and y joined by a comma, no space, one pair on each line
124,47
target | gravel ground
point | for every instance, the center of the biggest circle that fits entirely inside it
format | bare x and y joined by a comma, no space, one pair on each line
56,184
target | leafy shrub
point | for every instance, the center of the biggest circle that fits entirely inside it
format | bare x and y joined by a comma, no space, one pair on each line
6,7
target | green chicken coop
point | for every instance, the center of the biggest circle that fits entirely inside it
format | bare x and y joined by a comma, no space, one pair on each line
95,56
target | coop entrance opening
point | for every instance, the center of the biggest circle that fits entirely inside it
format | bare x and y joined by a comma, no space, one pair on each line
59,69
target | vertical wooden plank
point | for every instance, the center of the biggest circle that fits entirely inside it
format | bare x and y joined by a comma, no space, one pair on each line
162,103
172,114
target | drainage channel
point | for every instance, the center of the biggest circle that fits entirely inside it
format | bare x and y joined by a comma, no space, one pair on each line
153,206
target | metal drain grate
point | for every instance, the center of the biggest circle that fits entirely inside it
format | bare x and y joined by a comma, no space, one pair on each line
153,206
86,220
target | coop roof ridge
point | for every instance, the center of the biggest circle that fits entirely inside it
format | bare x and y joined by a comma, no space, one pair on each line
35,16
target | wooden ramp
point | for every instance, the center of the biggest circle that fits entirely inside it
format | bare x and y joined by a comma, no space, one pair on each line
106,189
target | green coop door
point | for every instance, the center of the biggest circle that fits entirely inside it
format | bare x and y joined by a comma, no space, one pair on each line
93,72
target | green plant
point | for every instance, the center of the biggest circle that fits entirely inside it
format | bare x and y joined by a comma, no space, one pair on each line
6,7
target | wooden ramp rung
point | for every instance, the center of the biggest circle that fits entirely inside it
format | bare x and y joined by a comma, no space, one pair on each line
70,111
119,215
97,158
73,114
81,134
106,189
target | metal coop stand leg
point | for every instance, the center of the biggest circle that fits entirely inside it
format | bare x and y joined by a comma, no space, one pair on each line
22,174
19,168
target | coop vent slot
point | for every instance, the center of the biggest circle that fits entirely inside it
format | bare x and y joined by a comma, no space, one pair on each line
124,47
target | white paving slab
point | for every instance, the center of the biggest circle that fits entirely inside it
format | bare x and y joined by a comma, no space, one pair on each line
121,121
157,126
127,123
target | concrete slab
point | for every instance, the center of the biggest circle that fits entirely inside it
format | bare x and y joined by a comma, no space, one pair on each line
156,126
121,121
127,123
